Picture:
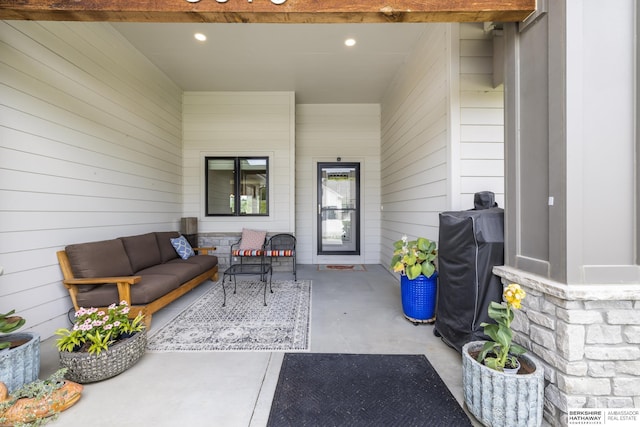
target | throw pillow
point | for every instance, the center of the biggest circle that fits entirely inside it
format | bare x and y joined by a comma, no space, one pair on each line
182,247
252,239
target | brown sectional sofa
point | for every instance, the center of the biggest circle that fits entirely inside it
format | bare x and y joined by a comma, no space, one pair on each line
143,270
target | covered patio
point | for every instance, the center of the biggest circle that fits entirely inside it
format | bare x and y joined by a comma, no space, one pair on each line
98,142
353,312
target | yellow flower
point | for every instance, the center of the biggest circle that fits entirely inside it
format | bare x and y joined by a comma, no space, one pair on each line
514,295
501,349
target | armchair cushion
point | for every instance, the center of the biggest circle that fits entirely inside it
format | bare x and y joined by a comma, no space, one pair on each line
247,252
279,252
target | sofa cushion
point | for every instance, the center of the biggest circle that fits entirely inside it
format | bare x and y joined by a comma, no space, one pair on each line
150,288
182,271
167,250
106,258
142,251
252,239
204,262
183,248
98,296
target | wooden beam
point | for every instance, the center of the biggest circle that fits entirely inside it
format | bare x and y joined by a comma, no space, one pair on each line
266,11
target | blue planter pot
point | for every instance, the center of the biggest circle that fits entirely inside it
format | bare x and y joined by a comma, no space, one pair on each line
419,297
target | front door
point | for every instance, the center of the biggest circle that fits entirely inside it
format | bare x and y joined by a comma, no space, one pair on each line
338,208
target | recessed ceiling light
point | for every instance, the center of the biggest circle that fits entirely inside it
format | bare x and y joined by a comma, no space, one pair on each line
350,42
200,37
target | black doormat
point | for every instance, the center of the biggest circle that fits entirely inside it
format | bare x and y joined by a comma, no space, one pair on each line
317,389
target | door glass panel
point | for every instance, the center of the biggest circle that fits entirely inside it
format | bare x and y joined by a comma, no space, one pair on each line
338,208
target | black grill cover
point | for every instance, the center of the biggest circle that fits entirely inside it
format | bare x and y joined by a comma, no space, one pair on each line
470,244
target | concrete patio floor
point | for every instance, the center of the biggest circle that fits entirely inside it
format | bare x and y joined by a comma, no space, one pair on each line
352,312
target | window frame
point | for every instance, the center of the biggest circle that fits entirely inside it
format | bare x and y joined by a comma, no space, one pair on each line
237,161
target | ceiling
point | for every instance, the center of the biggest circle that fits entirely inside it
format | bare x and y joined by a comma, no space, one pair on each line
309,59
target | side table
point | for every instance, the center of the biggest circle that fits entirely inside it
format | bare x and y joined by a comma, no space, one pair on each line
247,269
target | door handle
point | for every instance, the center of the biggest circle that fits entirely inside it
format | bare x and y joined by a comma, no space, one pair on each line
319,209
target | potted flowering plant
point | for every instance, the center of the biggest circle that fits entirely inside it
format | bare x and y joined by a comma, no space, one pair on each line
102,343
415,261
485,378
502,353
94,330
415,257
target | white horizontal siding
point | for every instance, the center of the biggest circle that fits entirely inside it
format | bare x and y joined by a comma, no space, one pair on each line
324,133
490,116
90,148
481,166
240,124
442,136
415,123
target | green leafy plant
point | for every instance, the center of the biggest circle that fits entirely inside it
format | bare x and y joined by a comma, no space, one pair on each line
502,351
415,257
9,323
94,330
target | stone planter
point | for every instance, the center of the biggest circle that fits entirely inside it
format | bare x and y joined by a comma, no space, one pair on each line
87,368
20,365
497,399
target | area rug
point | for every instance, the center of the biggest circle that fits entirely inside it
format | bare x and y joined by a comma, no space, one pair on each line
318,389
341,267
245,324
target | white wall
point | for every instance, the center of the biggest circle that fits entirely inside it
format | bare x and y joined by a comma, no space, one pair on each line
442,133
90,148
323,133
481,153
415,132
240,124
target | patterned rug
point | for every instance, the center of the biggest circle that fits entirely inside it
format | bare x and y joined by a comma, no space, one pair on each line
245,324
362,390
